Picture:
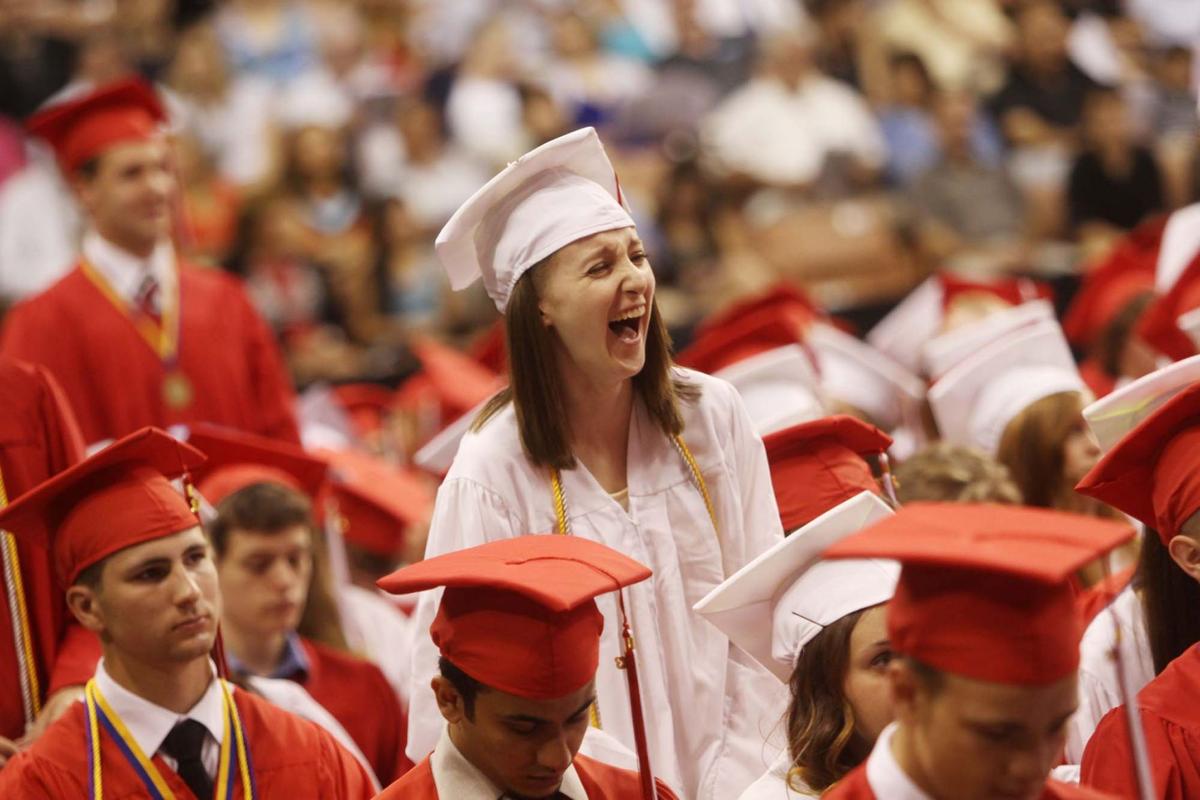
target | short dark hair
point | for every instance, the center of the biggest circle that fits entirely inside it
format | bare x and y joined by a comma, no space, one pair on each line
467,687
91,575
89,168
259,507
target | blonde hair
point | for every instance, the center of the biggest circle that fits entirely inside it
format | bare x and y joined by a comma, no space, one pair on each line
957,474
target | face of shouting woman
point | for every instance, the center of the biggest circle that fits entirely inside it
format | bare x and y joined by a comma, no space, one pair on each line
596,294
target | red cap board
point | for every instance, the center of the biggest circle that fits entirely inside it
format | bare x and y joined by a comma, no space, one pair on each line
237,459
119,497
82,128
984,590
741,338
1159,326
459,382
1126,273
367,405
1151,473
518,615
784,299
376,500
817,465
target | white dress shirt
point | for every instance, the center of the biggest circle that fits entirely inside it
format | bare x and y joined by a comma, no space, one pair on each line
149,724
125,272
456,777
884,774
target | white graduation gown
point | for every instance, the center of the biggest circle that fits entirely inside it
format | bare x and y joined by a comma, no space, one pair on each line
707,707
773,785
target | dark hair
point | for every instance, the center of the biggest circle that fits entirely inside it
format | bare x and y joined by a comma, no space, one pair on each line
261,508
466,686
535,386
1170,599
92,575
89,168
930,678
1115,335
822,739
265,509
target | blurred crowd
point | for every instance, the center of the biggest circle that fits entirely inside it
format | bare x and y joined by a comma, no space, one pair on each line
851,145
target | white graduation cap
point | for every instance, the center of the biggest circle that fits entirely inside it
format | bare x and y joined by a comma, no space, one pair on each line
1180,243
855,373
553,195
915,320
775,605
976,400
944,351
778,388
436,455
1116,414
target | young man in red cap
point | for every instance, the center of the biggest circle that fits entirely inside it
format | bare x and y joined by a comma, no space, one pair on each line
156,720
519,631
275,584
38,438
1151,474
135,336
987,633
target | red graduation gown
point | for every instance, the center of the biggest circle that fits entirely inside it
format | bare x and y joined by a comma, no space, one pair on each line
115,380
1170,709
856,787
38,438
601,782
358,695
292,759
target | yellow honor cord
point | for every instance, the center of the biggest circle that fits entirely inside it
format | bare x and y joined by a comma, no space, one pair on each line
94,738
30,686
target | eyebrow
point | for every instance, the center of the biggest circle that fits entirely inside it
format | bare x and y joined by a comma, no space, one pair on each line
541,721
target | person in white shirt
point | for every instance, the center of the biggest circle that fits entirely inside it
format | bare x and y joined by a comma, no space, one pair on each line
600,436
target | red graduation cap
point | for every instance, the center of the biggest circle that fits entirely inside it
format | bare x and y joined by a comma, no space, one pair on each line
784,299
367,405
1152,473
984,589
518,615
1012,291
119,497
237,459
1159,325
740,338
378,502
455,381
1125,273
817,465
491,348
81,129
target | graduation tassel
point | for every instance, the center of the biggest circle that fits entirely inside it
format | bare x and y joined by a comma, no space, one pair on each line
628,662
889,480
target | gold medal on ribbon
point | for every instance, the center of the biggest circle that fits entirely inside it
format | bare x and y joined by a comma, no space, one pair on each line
177,391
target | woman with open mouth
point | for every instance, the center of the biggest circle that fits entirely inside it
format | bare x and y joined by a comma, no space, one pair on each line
600,435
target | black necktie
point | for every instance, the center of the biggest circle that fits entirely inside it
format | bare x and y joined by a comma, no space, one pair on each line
184,744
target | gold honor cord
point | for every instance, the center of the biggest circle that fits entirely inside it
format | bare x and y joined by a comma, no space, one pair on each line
162,338
563,524
18,609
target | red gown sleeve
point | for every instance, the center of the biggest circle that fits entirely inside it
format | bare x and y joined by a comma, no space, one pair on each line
340,773
78,653
1174,758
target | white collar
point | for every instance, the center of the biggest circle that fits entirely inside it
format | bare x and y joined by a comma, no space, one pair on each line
123,271
885,775
148,723
456,777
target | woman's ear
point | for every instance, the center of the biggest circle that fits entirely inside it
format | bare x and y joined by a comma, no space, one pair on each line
1185,551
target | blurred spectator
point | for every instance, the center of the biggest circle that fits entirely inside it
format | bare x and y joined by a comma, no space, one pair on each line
962,41
1115,181
413,160
484,106
229,114
967,208
687,225
589,83
544,119
271,39
1174,123
414,285
210,204
1167,22
849,46
789,123
1039,110
909,127
37,48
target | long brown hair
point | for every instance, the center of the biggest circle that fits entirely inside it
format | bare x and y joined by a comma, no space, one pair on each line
1170,598
535,385
823,741
1032,449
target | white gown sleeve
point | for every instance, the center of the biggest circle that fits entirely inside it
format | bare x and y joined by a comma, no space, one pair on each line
465,514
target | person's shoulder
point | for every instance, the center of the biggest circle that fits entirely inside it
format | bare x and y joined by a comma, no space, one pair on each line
65,290
213,279
60,750
606,781
490,447
703,395
416,784
1167,696
354,669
